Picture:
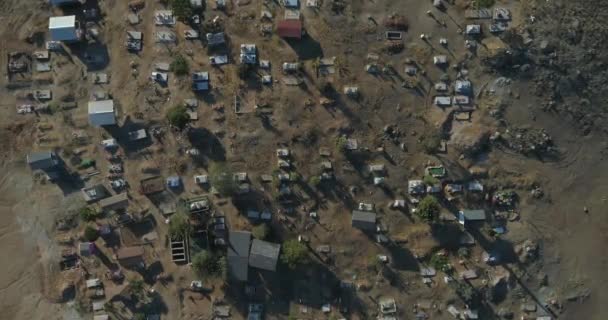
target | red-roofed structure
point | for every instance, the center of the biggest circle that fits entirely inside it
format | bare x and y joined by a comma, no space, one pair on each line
290,29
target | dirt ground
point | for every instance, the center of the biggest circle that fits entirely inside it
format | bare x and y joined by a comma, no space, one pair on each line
572,254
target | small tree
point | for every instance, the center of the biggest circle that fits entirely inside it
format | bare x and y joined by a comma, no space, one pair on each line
294,176
178,116
441,262
429,180
294,253
222,179
179,65
484,3
136,288
374,263
341,143
88,214
179,225
260,232
181,9
206,264
431,143
428,208
90,233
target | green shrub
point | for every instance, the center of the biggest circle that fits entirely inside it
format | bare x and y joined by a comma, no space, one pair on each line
374,263
294,253
90,233
206,264
431,143
88,214
179,65
428,208
179,225
441,262
136,288
341,144
429,180
294,176
484,3
260,232
178,116
181,9
222,179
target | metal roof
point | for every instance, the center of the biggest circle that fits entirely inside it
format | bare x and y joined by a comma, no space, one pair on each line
264,255
101,106
290,29
101,112
115,202
42,160
364,216
473,214
129,252
62,22
239,243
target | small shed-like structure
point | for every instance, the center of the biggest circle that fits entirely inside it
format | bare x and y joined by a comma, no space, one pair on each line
462,87
200,81
215,39
45,160
473,29
440,60
249,54
152,185
65,2
441,87
291,3
364,220
86,249
63,28
471,215
291,29
119,201
416,187
461,100
94,193
264,255
130,256
442,101
197,4
239,243
101,113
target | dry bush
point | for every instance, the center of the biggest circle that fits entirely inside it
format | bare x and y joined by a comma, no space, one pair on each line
393,47
397,22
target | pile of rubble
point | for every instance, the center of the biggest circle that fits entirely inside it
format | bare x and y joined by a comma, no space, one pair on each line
525,141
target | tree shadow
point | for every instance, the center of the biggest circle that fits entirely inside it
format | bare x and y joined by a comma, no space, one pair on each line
67,181
152,271
208,143
306,48
448,235
402,258
94,56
